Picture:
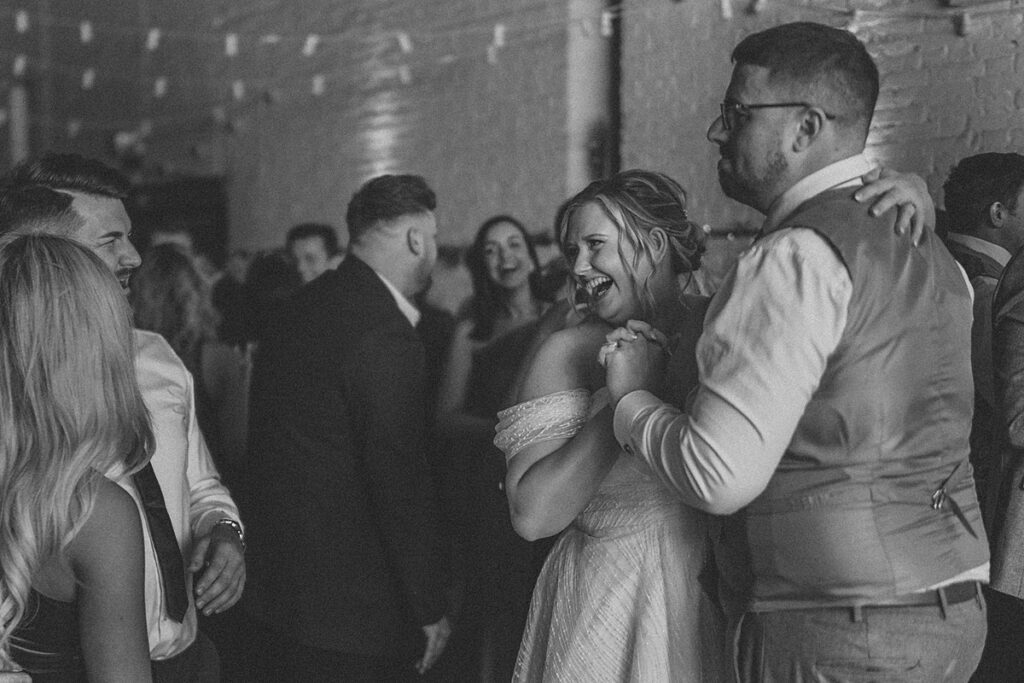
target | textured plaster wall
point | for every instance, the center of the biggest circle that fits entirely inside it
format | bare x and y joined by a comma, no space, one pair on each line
487,130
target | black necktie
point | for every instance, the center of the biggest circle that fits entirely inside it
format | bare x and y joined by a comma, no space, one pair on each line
168,554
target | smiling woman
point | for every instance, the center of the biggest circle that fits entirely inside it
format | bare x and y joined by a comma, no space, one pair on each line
483,361
622,578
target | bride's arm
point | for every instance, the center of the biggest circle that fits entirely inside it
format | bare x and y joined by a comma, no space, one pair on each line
549,483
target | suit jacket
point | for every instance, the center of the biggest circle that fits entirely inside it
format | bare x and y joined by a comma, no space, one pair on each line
1008,362
345,549
986,443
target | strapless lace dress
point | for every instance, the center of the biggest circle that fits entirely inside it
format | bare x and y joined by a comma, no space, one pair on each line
619,598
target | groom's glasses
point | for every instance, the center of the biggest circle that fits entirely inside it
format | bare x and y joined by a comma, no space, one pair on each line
735,112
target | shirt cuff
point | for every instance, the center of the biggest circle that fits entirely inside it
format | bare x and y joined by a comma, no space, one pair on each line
206,521
626,412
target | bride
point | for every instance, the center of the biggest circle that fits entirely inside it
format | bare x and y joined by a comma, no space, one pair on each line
619,598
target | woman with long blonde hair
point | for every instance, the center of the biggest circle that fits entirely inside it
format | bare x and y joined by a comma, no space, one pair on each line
71,553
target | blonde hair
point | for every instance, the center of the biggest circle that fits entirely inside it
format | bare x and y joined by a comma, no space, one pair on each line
70,407
638,202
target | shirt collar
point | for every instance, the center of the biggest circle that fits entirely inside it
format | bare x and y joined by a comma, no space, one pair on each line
410,312
990,249
845,173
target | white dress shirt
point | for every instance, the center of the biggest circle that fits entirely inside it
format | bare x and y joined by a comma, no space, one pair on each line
768,335
191,486
411,313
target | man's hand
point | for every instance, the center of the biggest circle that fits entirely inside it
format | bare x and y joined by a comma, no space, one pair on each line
437,638
908,192
220,556
634,358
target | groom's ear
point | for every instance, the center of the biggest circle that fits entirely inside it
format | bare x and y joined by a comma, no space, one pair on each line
811,124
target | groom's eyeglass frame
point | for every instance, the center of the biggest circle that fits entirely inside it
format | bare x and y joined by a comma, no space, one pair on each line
729,110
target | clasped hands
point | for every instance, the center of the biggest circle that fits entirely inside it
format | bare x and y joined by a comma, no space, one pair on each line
634,357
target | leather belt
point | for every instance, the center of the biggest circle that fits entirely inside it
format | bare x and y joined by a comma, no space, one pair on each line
952,594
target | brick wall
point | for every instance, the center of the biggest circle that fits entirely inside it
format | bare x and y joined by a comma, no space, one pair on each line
944,96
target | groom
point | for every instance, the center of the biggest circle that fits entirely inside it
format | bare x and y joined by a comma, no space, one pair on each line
835,399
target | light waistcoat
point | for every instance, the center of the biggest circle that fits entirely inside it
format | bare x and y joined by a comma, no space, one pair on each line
848,516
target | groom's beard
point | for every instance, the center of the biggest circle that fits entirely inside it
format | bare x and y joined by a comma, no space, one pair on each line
755,186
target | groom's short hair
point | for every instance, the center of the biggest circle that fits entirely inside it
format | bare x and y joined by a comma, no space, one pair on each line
826,66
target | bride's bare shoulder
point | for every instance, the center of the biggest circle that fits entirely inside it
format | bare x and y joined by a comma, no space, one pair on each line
566,360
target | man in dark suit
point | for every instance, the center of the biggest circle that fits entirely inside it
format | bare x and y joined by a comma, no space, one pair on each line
347,553
986,227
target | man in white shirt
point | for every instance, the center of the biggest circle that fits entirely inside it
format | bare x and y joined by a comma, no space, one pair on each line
203,518
835,394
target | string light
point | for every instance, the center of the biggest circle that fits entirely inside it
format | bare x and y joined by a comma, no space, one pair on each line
499,36
309,47
153,39
404,42
495,30
21,21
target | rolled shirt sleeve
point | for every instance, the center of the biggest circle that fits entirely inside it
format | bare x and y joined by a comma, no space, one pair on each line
208,498
768,336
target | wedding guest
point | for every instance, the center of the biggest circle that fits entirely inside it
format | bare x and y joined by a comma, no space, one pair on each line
193,538
984,200
498,567
348,557
314,248
270,280
71,563
1003,658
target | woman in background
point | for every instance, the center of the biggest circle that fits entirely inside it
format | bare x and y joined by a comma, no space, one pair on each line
171,297
71,553
499,567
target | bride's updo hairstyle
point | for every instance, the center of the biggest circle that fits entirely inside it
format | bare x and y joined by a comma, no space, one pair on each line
637,202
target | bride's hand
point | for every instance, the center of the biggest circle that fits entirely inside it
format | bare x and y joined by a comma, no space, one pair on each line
634,358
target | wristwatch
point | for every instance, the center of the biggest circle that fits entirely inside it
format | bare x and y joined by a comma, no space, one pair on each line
236,527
